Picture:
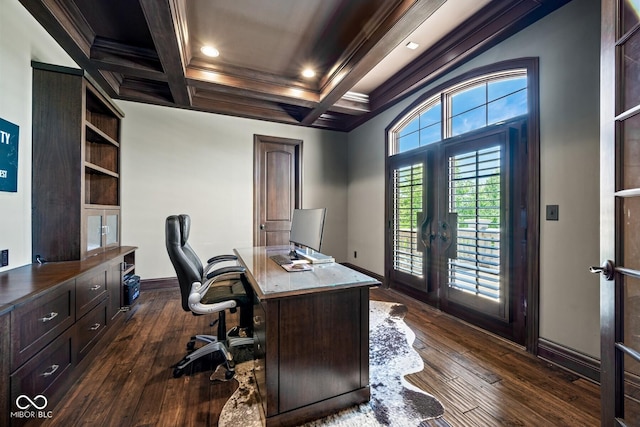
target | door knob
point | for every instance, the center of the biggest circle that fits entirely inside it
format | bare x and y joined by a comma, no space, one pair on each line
261,226
607,269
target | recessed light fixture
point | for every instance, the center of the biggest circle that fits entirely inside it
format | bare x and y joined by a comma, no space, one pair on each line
308,73
412,45
210,51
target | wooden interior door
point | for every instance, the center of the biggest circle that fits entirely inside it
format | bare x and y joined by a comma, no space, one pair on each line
277,188
620,213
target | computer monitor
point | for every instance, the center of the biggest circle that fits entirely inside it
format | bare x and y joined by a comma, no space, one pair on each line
307,226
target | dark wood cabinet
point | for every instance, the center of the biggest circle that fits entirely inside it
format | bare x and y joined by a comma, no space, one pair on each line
56,311
52,317
75,166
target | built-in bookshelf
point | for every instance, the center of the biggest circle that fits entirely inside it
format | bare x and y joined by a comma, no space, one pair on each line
76,166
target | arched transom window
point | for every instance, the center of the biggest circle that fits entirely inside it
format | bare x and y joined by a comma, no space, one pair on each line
470,105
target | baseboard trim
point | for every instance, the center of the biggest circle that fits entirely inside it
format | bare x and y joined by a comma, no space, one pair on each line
162,283
576,362
378,277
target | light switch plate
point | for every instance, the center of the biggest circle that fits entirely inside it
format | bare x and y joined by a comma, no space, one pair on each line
552,212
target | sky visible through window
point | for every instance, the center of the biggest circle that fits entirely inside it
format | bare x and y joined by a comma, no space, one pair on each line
473,107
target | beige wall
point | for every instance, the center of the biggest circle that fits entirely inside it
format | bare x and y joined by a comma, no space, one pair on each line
567,44
180,161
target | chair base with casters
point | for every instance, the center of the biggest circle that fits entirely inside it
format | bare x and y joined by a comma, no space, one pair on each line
207,291
212,345
238,336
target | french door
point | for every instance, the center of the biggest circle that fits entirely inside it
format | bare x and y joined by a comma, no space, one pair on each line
620,213
455,228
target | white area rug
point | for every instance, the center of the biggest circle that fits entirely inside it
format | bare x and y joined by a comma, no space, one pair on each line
394,402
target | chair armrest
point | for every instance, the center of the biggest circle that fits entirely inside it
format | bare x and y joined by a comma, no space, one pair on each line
218,259
197,307
198,290
235,269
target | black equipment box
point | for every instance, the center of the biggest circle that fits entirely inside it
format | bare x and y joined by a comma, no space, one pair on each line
131,284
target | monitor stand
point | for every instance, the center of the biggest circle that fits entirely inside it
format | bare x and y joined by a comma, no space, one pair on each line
313,256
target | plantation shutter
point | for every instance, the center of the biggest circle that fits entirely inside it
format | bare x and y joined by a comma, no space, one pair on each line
407,208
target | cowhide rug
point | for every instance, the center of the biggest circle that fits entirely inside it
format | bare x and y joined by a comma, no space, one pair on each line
394,402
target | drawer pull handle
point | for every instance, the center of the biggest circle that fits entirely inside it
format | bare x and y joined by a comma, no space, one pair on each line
95,288
257,320
53,368
95,327
49,317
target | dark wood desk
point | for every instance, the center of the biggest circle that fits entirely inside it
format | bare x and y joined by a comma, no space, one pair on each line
311,332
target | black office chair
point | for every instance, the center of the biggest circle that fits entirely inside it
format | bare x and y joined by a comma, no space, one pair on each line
206,292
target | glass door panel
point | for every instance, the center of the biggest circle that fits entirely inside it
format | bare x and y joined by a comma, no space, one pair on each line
407,219
94,231
631,151
407,213
112,233
631,70
475,274
632,394
631,365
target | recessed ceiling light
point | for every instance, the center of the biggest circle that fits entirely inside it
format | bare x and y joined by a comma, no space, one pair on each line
308,73
412,45
210,51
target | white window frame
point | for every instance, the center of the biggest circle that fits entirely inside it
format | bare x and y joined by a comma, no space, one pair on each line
444,98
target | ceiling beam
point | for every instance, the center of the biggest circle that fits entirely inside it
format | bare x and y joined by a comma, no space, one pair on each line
67,26
400,23
242,107
125,59
161,25
491,25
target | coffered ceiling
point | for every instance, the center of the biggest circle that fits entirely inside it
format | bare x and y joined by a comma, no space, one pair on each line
150,50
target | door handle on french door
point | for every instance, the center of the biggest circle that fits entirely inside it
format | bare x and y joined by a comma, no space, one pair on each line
425,238
607,269
262,227
448,235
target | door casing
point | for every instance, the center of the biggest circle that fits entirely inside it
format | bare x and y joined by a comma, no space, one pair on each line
264,172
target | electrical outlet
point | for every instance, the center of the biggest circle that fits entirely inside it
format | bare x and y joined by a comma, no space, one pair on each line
553,212
355,254
4,258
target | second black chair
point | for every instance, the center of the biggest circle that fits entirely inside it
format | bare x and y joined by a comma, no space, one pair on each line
204,291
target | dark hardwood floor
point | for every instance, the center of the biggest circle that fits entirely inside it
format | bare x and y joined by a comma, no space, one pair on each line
481,380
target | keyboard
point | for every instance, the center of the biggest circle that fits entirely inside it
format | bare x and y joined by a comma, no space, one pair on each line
281,259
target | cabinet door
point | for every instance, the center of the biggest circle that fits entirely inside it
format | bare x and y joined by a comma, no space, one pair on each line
102,230
111,220
94,229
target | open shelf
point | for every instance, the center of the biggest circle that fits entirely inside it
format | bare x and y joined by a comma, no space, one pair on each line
101,188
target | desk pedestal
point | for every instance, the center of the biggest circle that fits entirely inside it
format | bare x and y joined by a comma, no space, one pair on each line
312,354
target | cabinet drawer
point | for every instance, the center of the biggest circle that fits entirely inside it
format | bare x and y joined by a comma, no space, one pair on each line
45,373
90,289
90,328
37,322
